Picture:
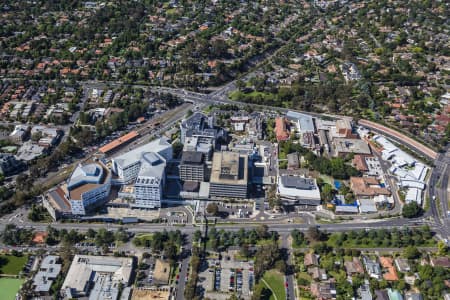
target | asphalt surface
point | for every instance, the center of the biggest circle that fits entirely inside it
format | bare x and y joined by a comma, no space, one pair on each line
179,288
281,228
438,193
289,278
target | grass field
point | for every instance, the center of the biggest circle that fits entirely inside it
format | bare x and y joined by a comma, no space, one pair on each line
9,288
276,282
12,265
143,240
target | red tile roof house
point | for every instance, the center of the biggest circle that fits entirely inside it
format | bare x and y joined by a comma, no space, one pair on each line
311,259
281,131
354,267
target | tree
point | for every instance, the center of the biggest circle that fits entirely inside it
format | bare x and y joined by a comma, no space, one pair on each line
442,248
314,234
298,237
411,210
91,233
262,231
245,250
327,192
212,208
280,265
233,297
411,252
177,149
273,198
261,293
170,251
265,258
197,235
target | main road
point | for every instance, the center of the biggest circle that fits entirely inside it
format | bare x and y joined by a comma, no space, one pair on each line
273,226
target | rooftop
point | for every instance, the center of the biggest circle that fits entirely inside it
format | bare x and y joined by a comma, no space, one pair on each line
192,157
367,186
118,142
345,145
197,121
229,168
103,272
29,151
297,182
305,121
83,174
48,271
157,146
57,199
299,188
281,130
86,178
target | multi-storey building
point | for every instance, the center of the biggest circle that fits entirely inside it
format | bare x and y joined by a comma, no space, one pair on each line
198,134
128,165
9,165
192,167
149,185
144,167
88,186
229,175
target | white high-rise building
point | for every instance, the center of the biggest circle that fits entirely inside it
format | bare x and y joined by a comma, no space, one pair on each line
88,186
145,168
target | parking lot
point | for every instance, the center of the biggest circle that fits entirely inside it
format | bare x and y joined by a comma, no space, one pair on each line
227,276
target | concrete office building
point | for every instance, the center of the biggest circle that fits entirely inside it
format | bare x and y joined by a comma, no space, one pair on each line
304,123
192,167
229,175
97,277
56,203
128,165
149,185
19,133
199,134
88,186
48,271
345,146
196,124
145,168
296,190
9,165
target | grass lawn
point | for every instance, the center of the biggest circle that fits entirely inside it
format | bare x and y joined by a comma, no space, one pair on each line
143,240
303,278
12,265
9,287
276,282
238,95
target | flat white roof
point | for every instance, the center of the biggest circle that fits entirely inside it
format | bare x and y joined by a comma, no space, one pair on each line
412,184
367,206
84,269
393,153
131,157
346,209
414,195
299,193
